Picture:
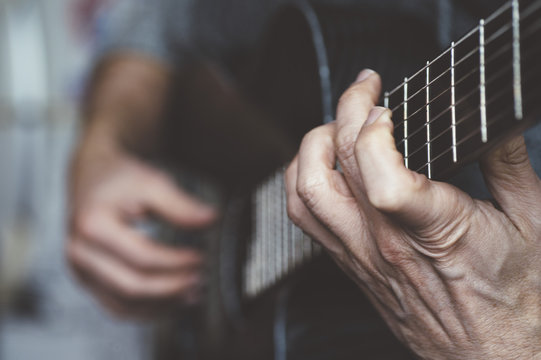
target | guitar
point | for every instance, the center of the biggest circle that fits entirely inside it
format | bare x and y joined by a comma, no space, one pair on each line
470,98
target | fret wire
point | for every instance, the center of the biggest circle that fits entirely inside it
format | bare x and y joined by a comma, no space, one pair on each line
457,82
436,117
517,71
406,155
491,18
464,38
469,136
429,147
460,61
386,99
461,100
453,103
464,118
483,99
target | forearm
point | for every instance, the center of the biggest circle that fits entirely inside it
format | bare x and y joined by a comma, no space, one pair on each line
125,103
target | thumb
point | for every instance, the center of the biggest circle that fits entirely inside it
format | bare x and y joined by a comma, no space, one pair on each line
164,198
425,207
513,182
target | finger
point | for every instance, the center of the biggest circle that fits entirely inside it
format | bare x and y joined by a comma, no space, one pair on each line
323,189
513,183
131,309
353,109
122,282
428,208
104,230
164,198
299,214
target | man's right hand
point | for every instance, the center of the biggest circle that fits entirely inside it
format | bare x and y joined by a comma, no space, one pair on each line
131,274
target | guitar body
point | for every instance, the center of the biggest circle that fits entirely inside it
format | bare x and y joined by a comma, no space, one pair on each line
245,128
254,126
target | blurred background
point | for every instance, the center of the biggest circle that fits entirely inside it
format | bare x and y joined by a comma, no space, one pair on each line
45,52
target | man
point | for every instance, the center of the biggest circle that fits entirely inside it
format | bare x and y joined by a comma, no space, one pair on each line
111,188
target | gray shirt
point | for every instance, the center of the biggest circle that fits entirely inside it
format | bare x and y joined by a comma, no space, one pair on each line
171,29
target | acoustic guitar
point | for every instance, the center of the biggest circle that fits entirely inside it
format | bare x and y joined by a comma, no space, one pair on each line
449,111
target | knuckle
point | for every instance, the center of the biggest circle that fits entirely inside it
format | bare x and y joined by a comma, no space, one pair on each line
385,198
345,145
356,95
310,190
314,136
392,253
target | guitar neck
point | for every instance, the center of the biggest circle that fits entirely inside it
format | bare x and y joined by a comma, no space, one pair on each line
480,91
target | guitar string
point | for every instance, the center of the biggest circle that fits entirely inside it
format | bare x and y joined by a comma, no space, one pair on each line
493,121
501,31
498,53
468,137
446,71
434,118
536,27
437,117
507,6
459,122
527,32
472,32
462,119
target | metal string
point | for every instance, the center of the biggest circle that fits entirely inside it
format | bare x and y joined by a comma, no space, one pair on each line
449,108
465,117
491,18
506,27
493,121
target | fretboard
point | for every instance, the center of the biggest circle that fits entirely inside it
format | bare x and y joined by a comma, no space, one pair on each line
475,94
484,88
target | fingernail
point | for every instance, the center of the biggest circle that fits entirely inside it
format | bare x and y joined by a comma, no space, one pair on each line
363,75
375,113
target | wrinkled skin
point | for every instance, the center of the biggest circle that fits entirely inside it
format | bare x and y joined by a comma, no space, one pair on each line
453,277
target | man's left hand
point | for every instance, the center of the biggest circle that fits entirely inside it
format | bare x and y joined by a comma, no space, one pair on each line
454,277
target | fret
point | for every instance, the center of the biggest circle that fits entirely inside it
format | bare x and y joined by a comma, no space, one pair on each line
517,71
453,103
428,140
482,85
406,140
386,99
